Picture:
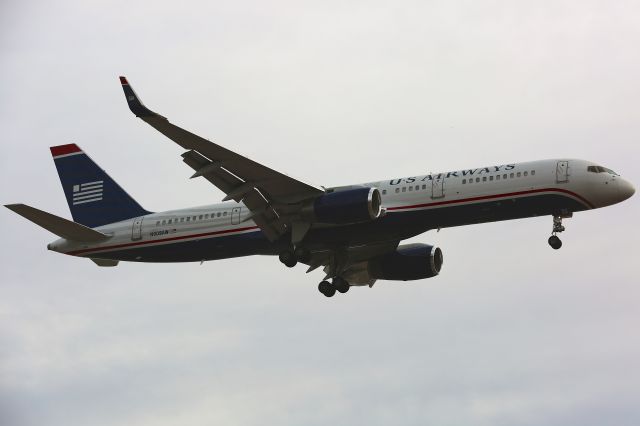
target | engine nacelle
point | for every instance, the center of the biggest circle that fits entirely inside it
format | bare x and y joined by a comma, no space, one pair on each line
408,262
345,206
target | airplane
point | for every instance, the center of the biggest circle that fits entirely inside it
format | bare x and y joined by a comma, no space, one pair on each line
353,232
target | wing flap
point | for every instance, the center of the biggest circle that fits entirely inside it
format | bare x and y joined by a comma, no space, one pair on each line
262,212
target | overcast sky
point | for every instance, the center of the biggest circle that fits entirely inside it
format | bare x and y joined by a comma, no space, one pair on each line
333,92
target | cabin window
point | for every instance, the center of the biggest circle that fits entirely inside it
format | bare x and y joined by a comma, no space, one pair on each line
170,221
384,192
504,176
417,187
518,174
424,186
224,214
497,177
533,172
218,214
512,175
490,177
181,220
200,217
411,188
397,190
484,178
158,223
206,216
164,221
464,181
404,189
477,180
526,174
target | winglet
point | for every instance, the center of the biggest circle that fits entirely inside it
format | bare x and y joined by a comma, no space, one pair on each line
135,105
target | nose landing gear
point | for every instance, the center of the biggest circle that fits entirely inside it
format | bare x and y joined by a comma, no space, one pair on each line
554,241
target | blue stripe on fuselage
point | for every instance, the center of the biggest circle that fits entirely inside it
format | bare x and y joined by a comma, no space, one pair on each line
394,226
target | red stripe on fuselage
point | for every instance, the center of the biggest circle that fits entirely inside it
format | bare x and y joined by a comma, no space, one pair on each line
162,240
491,197
415,206
64,149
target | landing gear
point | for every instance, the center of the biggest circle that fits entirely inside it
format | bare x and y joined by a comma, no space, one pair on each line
554,241
329,289
302,254
288,258
326,288
291,257
341,284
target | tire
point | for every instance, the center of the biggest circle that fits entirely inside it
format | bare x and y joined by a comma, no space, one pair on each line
341,285
288,259
326,288
555,242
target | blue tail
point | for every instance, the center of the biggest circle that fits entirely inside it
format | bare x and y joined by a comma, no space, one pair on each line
93,197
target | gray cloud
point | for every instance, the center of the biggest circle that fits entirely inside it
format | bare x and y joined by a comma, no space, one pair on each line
509,333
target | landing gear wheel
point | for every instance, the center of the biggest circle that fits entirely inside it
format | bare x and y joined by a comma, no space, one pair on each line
288,258
326,288
341,284
555,242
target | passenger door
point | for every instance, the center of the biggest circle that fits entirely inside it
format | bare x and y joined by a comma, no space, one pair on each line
562,172
437,187
136,230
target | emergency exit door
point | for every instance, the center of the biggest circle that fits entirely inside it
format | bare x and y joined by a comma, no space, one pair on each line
235,215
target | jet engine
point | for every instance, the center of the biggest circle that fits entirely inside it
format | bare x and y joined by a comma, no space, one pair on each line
408,262
345,206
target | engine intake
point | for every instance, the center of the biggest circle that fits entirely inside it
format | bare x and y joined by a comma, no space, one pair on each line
408,262
345,206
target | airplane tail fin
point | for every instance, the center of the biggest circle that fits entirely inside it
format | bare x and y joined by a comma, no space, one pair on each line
93,197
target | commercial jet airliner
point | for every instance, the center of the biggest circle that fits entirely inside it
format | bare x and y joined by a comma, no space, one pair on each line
353,232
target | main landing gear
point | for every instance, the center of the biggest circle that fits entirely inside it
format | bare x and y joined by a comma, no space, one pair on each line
329,288
291,257
554,241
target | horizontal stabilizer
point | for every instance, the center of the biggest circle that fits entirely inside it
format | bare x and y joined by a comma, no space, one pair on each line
61,227
105,262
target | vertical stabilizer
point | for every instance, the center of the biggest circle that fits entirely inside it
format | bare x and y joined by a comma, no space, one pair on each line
93,197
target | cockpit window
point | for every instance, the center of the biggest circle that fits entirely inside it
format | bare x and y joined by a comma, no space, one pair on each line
600,169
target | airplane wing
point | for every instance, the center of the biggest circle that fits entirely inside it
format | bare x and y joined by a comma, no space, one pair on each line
263,190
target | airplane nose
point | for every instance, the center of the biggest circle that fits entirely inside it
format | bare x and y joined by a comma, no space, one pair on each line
626,189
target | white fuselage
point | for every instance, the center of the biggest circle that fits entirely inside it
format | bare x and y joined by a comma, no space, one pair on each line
460,197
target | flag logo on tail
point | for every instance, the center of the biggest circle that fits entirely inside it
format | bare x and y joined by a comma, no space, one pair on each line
87,192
